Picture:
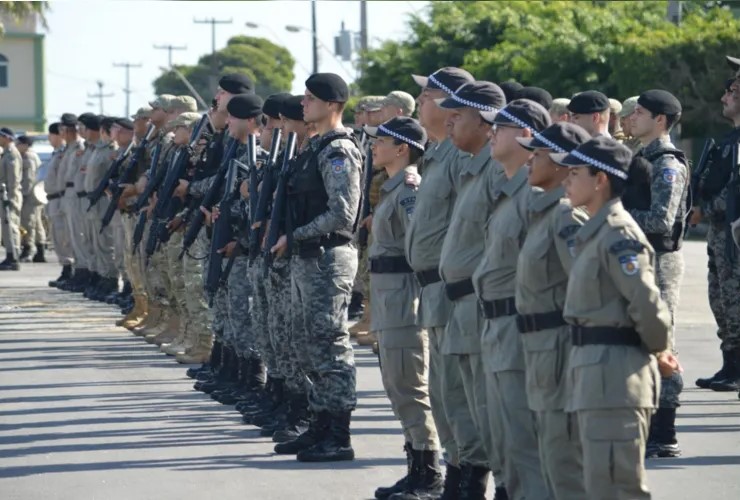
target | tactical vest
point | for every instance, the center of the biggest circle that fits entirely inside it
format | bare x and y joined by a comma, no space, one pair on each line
718,174
307,197
672,240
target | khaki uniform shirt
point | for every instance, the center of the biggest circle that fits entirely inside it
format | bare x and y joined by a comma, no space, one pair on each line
11,172
98,164
542,271
31,163
82,161
69,165
393,296
425,234
612,283
53,182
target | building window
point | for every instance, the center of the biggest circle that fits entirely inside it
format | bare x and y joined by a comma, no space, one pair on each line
3,71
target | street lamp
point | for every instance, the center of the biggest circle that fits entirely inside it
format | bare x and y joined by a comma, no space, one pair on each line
255,26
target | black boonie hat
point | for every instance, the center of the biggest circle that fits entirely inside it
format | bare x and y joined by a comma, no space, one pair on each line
291,108
447,79
125,123
521,113
561,137
536,94
601,152
483,96
245,106
234,83
329,87
404,129
271,107
68,120
590,101
510,89
660,102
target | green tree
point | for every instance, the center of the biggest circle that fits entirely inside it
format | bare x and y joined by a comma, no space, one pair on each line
270,66
20,10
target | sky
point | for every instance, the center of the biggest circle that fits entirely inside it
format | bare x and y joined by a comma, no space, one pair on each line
85,38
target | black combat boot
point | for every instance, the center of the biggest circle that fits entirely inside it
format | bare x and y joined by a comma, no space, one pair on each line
25,255
68,285
207,366
78,281
40,257
228,358
92,284
473,482
259,398
729,383
335,445
276,410
10,264
451,489
296,419
402,484
64,277
706,382
356,307
425,480
318,427
662,442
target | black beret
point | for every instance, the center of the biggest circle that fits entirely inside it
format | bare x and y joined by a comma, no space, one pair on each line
24,139
107,121
245,106
54,128
535,94
447,79
561,137
660,102
235,83
125,123
483,96
7,133
292,108
510,89
68,120
404,129
590,101
601,152
328,87
271,107
90,121
522,113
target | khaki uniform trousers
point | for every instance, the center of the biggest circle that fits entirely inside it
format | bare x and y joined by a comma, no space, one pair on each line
131,261
404,365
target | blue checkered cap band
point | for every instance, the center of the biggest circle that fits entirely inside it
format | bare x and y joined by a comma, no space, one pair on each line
441,85
600,165
548,142
472,104
400,137
514,119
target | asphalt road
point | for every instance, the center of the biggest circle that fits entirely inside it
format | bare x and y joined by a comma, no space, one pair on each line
88,411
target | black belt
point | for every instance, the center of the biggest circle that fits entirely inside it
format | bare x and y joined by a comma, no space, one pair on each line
428,277
315,246
70,184
82,194
604,335
54,196
528,323
459,289
491,309
390,265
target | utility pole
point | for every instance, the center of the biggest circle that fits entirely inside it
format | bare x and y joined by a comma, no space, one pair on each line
314,37
674,12
214,64
127,88
363,32
169,49
100,96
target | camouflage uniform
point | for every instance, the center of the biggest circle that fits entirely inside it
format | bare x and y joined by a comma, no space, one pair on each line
322,285
31,215
668,196
10,175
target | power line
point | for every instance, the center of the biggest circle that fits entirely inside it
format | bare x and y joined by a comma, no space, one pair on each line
127,89
100,96
169,49
214,64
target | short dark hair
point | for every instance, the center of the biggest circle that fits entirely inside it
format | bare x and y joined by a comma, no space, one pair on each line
670,120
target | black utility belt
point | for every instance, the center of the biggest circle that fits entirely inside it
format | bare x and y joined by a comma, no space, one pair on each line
491,309
528,323
70,184
390,265
313,248
81,194
459,289
428,277
604,335
54,196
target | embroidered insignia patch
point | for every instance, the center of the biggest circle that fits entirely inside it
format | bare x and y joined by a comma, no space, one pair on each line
408,204
629,264
623,245
669,175
337,165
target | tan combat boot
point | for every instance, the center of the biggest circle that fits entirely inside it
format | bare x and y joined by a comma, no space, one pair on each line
166,333
137,314
157,326
153,317
180,343
198,352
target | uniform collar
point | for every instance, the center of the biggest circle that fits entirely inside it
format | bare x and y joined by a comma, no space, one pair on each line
477,162
594,223
440,150
514,184
392,183
548,199
656,145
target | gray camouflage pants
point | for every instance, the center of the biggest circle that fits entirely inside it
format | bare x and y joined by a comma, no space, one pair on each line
669,268
724,288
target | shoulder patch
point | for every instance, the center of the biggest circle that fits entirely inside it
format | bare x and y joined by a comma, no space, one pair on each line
669,175
629,264
408,204
338,165
626,244
569,231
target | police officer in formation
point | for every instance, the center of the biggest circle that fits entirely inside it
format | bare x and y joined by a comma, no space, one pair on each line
525,317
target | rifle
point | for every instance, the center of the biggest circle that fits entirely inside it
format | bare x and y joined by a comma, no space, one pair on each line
368,181
210,198
143,198
95,196
279,205
698,171
222,235
259,215
732,204
244,170
126,175
6,221
158,230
